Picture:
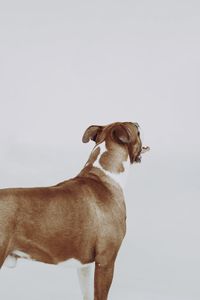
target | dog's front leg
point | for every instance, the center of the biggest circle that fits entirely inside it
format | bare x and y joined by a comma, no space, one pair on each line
86,280
102,280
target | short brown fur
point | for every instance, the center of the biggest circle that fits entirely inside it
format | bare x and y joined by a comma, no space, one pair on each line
82,218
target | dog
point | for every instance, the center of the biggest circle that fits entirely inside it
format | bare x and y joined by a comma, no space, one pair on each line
80,221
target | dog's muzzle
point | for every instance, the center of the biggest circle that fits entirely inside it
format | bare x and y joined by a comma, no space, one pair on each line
143,150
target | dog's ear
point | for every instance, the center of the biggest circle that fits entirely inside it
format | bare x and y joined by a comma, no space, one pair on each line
91,133
121,134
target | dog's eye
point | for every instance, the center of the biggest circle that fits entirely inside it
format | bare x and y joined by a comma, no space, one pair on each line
138,133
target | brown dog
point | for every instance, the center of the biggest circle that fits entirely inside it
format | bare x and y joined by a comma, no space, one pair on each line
81,220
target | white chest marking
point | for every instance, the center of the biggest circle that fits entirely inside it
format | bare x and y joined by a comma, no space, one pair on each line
11,260
72,263
120,178
21,254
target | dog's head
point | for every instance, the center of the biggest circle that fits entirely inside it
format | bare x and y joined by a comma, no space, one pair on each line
126,134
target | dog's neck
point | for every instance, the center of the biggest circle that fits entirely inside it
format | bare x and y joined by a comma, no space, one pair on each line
112,159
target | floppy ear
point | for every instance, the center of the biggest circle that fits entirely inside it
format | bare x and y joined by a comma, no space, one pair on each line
121,134
91,133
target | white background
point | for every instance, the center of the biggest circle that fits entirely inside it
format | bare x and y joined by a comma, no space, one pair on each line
65,65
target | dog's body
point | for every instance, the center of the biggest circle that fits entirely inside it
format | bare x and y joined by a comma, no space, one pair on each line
82,219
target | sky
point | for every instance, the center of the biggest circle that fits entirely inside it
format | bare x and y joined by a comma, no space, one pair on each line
65,65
